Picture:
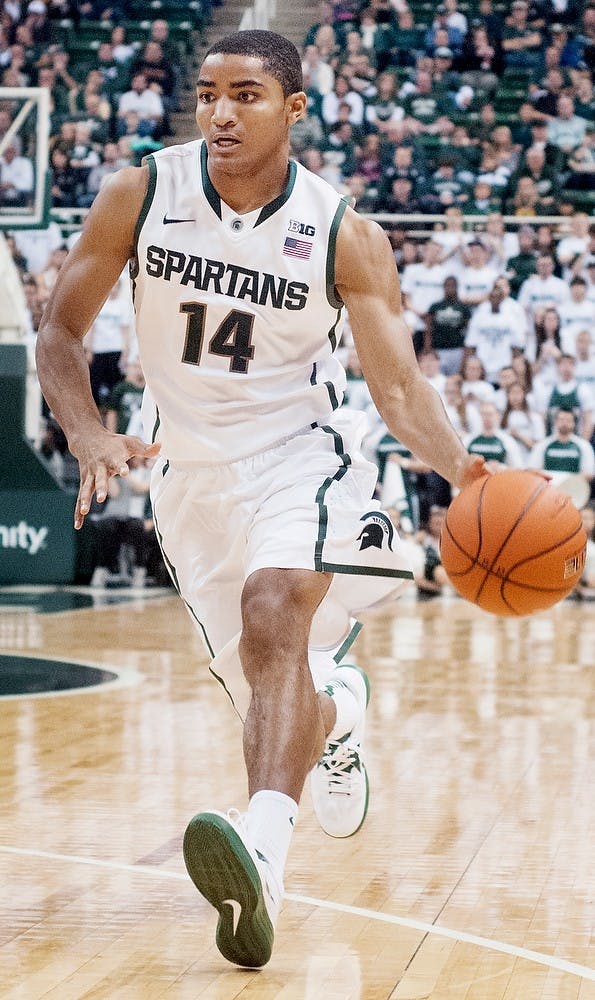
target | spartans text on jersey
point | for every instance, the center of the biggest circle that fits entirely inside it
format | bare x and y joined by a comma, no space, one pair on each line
226,279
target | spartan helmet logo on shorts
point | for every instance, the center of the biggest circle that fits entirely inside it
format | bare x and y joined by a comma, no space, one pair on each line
378,527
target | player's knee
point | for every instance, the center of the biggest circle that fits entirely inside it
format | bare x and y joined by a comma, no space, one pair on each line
277,610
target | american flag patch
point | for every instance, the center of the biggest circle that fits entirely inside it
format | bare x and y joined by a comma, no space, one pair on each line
297,248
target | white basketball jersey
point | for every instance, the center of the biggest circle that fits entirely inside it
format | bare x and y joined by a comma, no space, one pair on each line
237,318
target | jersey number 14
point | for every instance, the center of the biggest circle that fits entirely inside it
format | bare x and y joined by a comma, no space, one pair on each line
232,338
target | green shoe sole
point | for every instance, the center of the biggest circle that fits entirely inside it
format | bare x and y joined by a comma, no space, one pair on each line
224,873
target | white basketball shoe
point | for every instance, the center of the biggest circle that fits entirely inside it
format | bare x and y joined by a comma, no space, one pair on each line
237,880
339,781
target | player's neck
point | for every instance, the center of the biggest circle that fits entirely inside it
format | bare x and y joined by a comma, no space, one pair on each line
245,194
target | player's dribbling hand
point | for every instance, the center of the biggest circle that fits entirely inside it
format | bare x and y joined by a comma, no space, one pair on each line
100,457
474,468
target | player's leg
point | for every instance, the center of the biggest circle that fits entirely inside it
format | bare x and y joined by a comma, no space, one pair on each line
284,729
238,862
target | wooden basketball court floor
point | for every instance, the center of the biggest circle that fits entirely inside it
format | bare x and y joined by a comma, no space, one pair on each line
473,876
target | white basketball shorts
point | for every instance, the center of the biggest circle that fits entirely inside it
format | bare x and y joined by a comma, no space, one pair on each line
304,504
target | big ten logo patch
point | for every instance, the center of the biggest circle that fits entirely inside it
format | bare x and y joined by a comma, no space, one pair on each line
301,227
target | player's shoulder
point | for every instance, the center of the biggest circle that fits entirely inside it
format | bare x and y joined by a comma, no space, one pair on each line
180,151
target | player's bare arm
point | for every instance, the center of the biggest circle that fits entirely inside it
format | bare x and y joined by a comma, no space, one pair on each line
84,282
366,279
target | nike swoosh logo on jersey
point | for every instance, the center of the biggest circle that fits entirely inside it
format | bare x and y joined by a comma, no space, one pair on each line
168,222
237,912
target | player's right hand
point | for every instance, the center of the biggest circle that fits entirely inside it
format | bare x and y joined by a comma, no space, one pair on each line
102,455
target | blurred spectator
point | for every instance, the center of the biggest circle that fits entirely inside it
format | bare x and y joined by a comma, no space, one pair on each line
449,22
490,19
495,444
539,291
480,62
482,129
422,285
572,247
501,245
120,524
463,415
125,399
547,346
492,172
432,579
47,278
567,394
16,177
422,105
66,183
340,148
308,131
524,424
122,51
18,259
446,326
576,314
318,163
384,110
37,21
534,165
475,388
113,73
589,276
446,186
36,245
584,102
566,130
400,199
586,38
318,72
364,199
110,163
563,450
406,41
476,278
585,361
544,97
527,200
158,71
107,345
582,165
482,200
521,43
524,373
568,46
404,163
452,238
342,94
146,103
493,334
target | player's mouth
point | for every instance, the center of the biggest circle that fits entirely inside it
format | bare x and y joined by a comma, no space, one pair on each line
225,142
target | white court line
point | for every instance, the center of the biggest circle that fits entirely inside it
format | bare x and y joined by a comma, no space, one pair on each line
551,961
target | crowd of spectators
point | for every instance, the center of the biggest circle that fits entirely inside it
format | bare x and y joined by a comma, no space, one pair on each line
113,85
473,123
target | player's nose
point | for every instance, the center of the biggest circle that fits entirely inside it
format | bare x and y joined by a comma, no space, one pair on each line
223,112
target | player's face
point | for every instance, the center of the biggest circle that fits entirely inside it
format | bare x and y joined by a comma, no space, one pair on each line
243,115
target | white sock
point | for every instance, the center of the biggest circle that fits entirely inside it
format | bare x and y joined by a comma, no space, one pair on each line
347,706
271,819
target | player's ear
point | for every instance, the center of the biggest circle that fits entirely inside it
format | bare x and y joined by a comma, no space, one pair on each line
296,105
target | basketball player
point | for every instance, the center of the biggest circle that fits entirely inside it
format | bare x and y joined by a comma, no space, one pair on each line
241,263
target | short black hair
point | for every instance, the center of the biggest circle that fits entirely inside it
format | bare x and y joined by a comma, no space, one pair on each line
278,55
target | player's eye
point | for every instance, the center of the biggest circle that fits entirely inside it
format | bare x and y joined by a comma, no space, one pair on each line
205,97
246,96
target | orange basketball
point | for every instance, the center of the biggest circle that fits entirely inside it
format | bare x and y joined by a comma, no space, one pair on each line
512,543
